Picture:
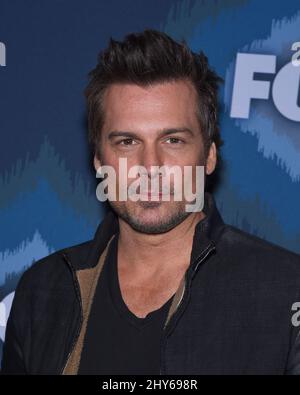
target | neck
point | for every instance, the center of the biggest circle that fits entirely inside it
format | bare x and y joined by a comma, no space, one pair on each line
157,252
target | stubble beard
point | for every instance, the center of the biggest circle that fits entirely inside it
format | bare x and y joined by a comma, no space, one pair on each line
160,225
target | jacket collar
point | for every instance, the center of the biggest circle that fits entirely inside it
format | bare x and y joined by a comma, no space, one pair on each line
207,231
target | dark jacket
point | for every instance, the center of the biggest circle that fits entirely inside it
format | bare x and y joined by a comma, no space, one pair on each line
231,314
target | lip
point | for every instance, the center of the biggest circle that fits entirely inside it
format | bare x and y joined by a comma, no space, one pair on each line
149,195
155,195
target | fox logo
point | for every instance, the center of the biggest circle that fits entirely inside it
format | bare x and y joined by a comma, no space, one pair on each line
284,90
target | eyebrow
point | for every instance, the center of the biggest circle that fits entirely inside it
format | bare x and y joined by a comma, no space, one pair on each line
162,132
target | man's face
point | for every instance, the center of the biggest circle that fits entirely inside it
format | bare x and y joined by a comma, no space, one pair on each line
138,126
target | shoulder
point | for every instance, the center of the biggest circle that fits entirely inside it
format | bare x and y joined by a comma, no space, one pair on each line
52,270
247,248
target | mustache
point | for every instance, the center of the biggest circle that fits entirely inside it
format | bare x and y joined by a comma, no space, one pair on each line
155,191
153,186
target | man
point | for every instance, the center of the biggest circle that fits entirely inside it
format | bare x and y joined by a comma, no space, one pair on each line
159,290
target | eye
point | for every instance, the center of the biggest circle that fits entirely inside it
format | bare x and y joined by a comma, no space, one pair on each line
175,140
127,141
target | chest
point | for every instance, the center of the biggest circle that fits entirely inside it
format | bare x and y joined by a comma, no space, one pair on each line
144,295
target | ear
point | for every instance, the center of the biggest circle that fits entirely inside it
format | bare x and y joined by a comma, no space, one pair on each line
97,162
211,159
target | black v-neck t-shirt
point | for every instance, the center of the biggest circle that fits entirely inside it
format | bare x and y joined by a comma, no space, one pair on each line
116,340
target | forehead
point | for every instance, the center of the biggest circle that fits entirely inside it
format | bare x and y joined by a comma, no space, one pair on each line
174,101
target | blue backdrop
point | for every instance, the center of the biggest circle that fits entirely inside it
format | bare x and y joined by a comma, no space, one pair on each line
47,183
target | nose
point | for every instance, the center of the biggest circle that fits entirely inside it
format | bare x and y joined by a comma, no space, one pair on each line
150,157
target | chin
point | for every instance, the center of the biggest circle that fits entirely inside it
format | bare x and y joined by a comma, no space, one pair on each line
151,217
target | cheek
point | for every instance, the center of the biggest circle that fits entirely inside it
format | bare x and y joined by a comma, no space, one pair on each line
192,156
109,158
